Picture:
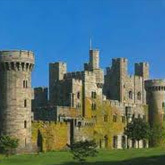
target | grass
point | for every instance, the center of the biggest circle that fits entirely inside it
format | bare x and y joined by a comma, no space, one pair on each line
150,156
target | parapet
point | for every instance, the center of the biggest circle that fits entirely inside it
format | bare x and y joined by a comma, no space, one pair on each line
76,75
114,60
16,60
76,81
155,85
142,64
17,56
57,63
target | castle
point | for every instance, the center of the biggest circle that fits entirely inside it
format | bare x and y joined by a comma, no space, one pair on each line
80,105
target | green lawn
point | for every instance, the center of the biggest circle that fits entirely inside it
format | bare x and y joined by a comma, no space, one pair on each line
152,156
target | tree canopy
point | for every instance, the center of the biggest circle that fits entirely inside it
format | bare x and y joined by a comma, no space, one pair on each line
138,130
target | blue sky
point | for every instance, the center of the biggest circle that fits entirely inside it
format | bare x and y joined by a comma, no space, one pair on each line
59,30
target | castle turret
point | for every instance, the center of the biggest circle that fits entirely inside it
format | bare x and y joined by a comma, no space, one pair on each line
16,95
94,59
156,101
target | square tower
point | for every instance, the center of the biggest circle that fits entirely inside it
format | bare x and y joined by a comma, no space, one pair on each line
56,73
142,69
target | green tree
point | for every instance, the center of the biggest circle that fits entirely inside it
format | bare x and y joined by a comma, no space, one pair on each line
8,144
83,149
138,130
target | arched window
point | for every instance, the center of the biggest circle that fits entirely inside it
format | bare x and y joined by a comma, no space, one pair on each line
139,95
130,94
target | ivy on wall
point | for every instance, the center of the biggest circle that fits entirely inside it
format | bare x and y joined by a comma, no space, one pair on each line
49,135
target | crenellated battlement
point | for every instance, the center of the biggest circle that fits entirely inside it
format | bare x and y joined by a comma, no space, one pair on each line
142,64
17,55
114,60
77,74
155,85
16,60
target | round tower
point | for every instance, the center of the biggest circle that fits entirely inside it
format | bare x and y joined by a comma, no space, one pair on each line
15,95
155,90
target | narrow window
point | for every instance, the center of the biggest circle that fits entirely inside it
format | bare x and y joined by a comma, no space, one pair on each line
24,84
25,124
139,96
78,95
94,95
130,95
25,103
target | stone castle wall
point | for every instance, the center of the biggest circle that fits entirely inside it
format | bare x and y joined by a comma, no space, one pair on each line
81,105
16,95
48,136
119,85
77,98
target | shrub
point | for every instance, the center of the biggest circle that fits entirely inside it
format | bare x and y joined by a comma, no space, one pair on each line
83,149
8,144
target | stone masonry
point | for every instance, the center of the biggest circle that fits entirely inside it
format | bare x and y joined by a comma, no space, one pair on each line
16,95
93,105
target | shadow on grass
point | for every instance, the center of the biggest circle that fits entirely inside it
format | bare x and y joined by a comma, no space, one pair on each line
153,160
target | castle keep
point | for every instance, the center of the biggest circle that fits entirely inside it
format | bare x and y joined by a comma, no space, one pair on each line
79,105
